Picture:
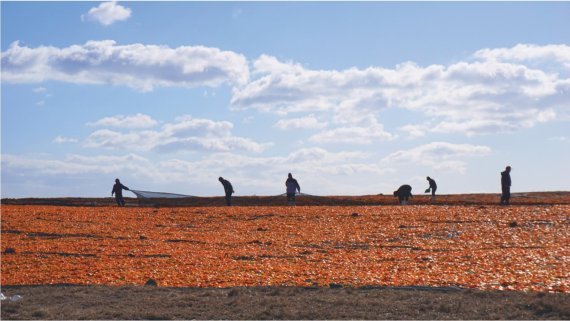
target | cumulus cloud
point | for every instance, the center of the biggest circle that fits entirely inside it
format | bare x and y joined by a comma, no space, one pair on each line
415,130
131,121
438,155
184,134
500,90
436,151
528,53
308,122
79,164
256,174
138,66
107,13
353,135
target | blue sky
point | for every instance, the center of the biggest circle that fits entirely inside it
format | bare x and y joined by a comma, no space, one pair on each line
352,98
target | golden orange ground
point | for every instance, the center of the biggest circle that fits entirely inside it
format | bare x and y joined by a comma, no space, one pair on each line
485,247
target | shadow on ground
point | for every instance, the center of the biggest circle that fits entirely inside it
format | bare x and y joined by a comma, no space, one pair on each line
65,302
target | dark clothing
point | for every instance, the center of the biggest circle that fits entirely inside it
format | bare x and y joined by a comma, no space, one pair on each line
229,190
432,183
118,191
505,187
290,198
403,193
292,187
506,194
432,186
505,178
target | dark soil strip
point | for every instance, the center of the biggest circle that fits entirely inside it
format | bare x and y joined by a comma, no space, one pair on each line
184,241
61,254
67,254
65,302
57,235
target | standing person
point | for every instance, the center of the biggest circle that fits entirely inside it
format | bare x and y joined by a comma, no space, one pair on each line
292,186
432,187
228,188
118,191
403,193
506,186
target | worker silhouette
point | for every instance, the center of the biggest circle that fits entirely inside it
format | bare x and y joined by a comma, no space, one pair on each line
292,186
506,186
228,189
403,193
432,187
118,191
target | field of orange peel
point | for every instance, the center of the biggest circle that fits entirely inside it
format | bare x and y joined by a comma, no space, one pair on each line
524,248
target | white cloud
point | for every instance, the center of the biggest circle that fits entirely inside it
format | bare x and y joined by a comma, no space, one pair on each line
354,135
308,122
138,66
132,121
106,138
78,164
507,122
517,88
184,134
415,131
107,13
528,53
259,175
438,155
65,140
437,151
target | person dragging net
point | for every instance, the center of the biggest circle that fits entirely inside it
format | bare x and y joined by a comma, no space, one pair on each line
118,191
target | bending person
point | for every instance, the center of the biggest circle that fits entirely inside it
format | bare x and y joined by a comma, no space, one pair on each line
228,189
403,193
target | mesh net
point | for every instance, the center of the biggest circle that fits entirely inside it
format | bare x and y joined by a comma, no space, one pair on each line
297,194
146,194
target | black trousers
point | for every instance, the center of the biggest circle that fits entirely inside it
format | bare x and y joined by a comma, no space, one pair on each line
506,196
120,200
229,199
290,198
403,198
